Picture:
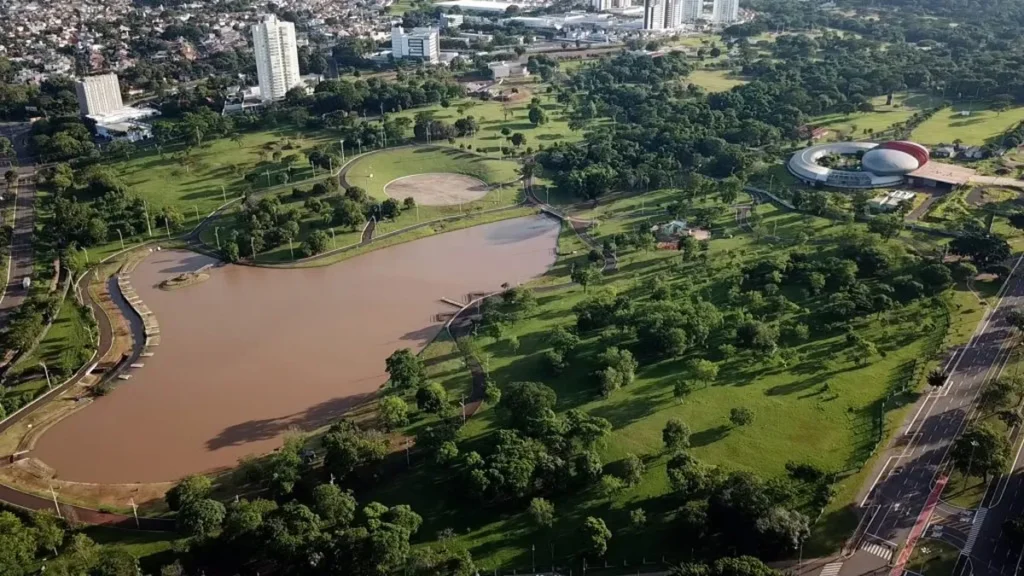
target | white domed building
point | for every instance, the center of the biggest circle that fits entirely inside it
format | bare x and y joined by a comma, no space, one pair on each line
881,165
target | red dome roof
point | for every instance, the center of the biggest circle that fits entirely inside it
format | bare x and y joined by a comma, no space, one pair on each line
913,148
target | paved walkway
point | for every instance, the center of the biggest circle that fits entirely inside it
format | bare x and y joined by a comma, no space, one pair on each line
22,500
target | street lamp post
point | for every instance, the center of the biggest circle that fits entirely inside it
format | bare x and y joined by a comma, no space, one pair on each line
49,384
342,142
149,225
196,208
252,244
970,461
121,238
216,234
223,193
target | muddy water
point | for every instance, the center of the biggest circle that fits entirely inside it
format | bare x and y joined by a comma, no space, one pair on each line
251,353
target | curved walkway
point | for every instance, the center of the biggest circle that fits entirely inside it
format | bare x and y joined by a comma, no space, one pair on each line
82,514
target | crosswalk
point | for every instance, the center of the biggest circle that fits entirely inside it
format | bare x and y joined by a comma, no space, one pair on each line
883,552
979,520
831,569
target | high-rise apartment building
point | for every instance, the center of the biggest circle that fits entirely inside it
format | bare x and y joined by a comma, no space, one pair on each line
663,14
98,95
421,43
277,57
726,11
693,10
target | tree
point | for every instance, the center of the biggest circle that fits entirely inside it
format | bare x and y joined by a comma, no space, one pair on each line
316,242
637,518
596,535
537,115
740,416
528,406
585,276
1016,318
675,435
622,362
980,451
392,412
686,474
542,512
189,489
17,546
10,177
336,507
432,397
49,531
6,148
405,369
937,378
633,469
116,561
200,518
704,371
996,395
886,226
681,389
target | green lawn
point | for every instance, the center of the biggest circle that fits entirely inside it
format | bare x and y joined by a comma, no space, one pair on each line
821,408
493,115
933,558
976,129
715,80
883,117
66,347
386,166
167,181
375,171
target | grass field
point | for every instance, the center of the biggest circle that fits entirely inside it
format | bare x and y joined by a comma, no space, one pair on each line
933,558
386,166
976,129
883,117
715,80
65,348
491,115
166,182
821,408
375,171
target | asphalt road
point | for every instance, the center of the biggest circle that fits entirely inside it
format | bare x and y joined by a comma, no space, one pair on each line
988,551
21,244
906,481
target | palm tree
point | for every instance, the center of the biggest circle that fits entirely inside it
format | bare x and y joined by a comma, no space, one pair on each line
937,377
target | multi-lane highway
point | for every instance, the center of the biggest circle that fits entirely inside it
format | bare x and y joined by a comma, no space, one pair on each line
907,484
21,245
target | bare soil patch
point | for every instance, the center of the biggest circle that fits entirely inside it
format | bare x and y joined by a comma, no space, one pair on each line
437,189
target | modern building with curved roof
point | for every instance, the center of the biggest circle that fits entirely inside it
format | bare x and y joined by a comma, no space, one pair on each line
882,165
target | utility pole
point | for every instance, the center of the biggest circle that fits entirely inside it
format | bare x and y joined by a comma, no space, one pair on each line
55,503
49,385
135,512
149,225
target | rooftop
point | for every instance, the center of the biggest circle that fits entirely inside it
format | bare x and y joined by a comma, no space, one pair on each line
945,173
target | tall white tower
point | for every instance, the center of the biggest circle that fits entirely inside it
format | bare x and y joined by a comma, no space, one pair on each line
277,57
726,11
693,10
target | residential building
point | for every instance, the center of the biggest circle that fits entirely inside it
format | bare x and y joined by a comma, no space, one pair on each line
663,14
693,10
277,57
725,11
98,95
420,43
